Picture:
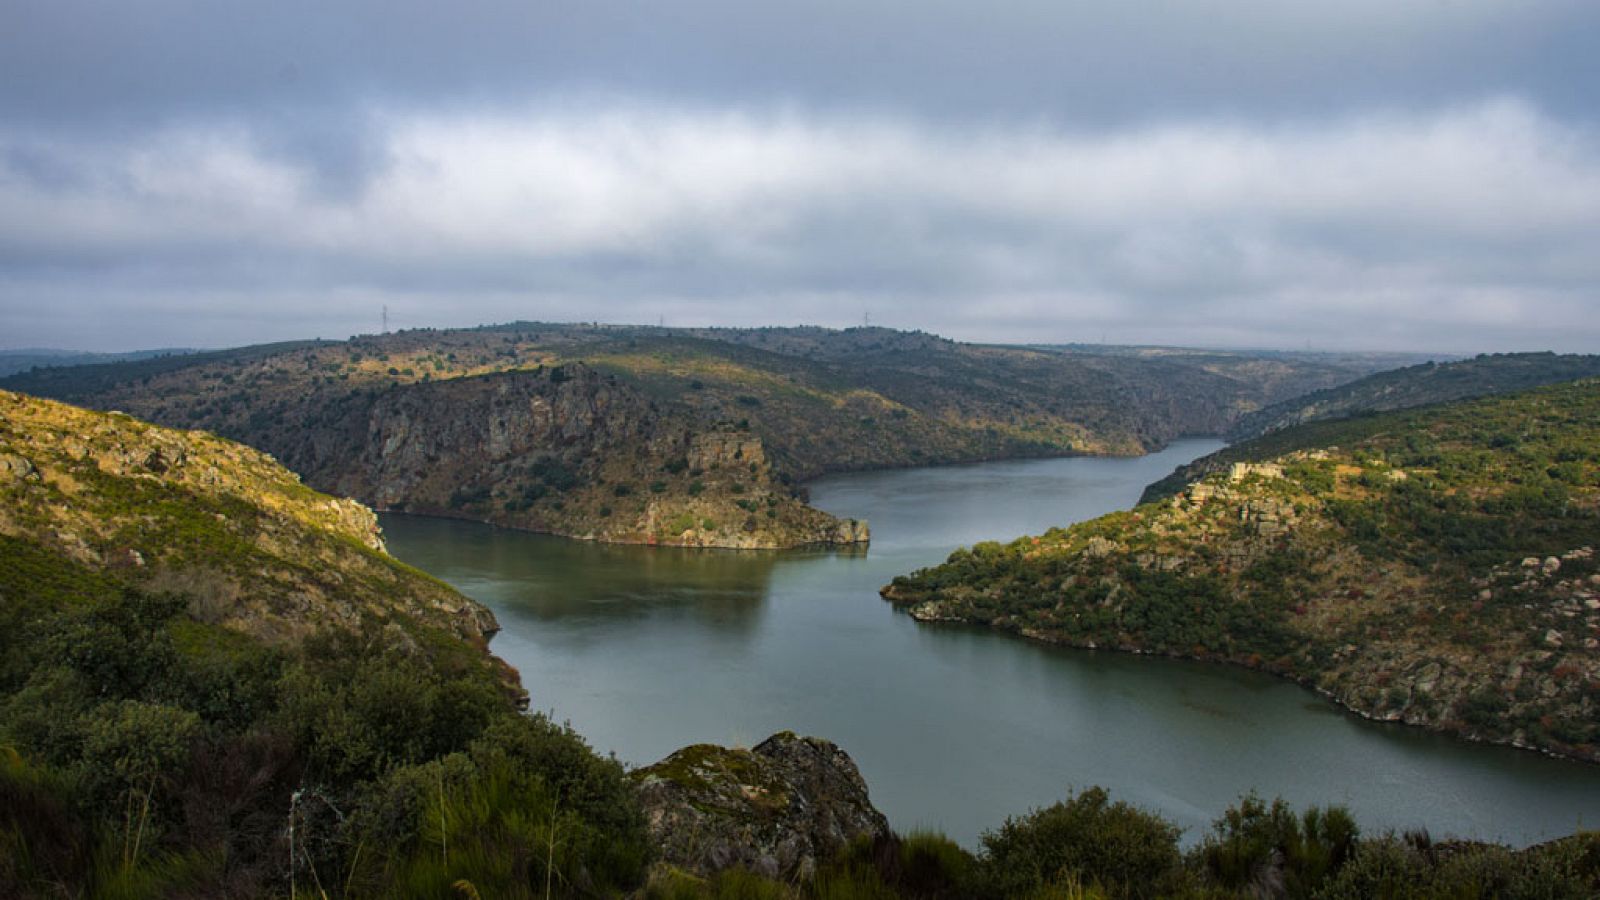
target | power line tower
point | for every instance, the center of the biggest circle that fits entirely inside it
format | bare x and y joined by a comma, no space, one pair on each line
385,318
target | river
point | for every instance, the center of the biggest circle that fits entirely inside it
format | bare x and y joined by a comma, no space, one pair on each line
644,650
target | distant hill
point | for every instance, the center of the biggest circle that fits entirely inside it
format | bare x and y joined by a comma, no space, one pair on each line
14,361
610,432
1433,566
1419,385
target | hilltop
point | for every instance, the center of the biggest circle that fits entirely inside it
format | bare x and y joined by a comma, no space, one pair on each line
1433,566
650,435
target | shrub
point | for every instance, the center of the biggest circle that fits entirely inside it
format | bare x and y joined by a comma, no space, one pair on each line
129,744
1259,848
1087,837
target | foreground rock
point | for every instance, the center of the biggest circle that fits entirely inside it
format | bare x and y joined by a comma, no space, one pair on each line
777,810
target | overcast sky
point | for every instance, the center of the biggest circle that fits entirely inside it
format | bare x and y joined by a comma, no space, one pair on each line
1365,174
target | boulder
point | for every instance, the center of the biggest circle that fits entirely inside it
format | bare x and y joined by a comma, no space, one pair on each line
777,810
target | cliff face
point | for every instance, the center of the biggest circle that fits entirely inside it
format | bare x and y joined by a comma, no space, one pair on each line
567,450
1434,567
223,525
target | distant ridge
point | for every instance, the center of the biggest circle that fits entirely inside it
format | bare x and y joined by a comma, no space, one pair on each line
1420,385
697,437
24,359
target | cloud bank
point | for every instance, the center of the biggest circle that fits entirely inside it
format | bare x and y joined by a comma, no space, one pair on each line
1462,228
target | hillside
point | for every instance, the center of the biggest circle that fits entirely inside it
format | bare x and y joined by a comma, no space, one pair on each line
1419,385
649,435
215,682
237,535
1433,566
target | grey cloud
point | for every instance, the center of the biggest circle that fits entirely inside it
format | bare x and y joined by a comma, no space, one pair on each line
63,60
1233,171
1460,229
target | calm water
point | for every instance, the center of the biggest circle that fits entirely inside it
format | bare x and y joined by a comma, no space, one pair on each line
646,650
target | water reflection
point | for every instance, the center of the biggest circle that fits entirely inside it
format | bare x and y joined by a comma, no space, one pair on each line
539,579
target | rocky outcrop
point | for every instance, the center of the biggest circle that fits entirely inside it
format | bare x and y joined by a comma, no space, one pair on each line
777,810
709,451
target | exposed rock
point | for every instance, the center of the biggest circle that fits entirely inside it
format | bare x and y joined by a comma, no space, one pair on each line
708,451
17,468
1097,547
777,810
570,451
1241,471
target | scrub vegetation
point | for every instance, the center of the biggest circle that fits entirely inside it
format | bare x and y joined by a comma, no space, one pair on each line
1434,566
215,682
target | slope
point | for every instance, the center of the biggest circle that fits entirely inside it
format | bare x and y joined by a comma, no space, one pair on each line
1420,385
1432,566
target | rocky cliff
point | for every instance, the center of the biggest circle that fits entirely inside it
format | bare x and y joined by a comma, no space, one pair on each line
1433,567
567,450
777,810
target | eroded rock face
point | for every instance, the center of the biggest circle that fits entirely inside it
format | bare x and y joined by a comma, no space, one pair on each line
570,451
776,810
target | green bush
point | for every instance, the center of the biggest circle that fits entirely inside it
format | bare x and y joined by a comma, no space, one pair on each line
1120,847
130,744
1255,846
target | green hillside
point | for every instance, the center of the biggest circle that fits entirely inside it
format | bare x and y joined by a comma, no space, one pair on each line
1420,385
215,682
1434,566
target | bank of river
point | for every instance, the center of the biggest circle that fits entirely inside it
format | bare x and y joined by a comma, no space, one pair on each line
645,650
